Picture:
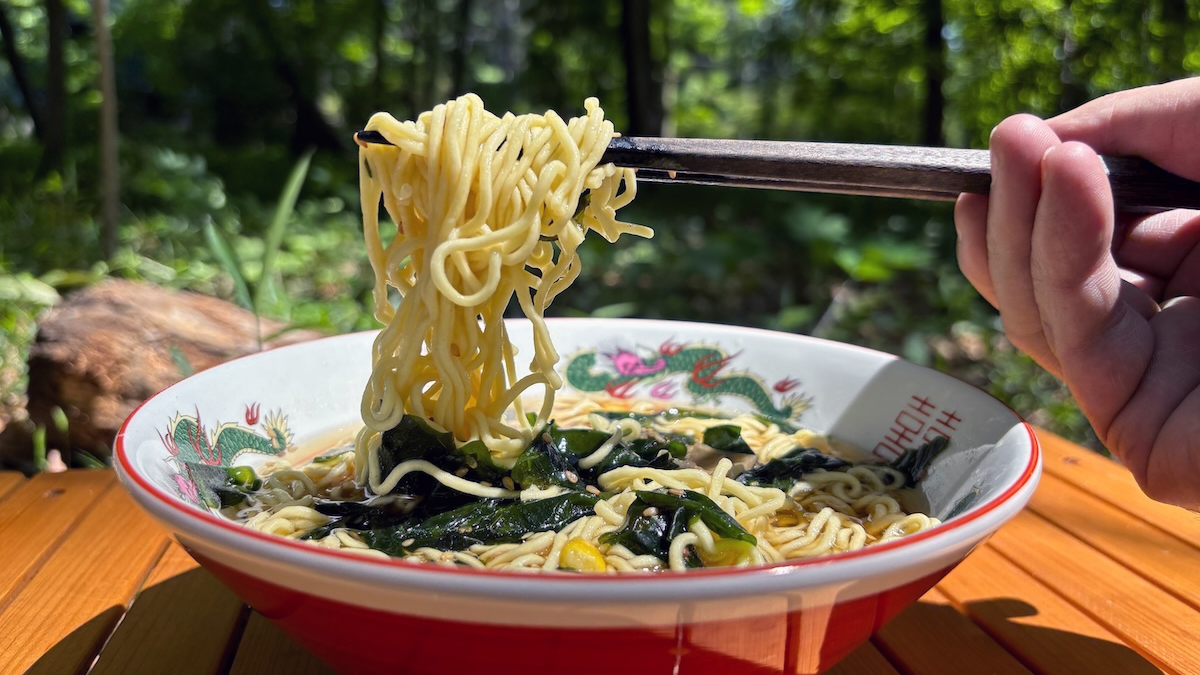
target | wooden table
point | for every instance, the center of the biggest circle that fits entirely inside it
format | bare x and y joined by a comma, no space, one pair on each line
1091,578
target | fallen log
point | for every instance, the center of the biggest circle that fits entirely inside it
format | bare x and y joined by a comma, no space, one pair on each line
111,346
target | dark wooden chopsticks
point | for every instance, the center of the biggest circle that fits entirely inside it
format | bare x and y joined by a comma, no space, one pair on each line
846,168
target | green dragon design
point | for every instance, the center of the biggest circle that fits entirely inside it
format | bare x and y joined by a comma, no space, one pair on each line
188,441
706,379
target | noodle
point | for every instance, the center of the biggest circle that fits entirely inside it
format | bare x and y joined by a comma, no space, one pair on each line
486,208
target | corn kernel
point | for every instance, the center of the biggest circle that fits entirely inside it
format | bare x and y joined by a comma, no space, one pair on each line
581,556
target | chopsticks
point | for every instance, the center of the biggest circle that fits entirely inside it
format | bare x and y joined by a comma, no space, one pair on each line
910,172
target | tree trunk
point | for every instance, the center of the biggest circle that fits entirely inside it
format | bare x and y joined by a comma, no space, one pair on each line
379,31
1073,92
109,347
1175,47
462,45
110,179
643,73
17,65
54,140
311,129
935,74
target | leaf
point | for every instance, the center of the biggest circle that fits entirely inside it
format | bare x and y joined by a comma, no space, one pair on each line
265,295
224,256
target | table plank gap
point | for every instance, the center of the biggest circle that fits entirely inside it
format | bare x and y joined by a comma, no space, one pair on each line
866,660
1162,559
933,638
37,516
59,621
1045,632
1108,480
1152,621
9,480
178,602
265,648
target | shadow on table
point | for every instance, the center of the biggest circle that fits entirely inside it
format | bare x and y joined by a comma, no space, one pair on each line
74,652
995,625
159,635
185,624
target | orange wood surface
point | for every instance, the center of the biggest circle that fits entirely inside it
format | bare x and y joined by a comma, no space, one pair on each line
1092,578
8,481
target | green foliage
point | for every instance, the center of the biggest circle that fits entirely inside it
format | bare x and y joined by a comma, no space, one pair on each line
220,102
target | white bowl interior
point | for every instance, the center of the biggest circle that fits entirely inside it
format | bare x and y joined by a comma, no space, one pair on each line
310,394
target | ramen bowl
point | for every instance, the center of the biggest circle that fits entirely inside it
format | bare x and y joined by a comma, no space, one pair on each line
368,615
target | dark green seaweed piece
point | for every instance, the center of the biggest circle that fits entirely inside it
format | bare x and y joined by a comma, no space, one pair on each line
784,472
643,452
545,463
656,518
219,486
487,521
726,438
650,532
413,438
913,461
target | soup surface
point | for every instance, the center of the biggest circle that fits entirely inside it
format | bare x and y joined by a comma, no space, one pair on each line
608,486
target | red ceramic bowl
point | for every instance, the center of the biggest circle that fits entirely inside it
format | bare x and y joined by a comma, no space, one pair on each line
363,615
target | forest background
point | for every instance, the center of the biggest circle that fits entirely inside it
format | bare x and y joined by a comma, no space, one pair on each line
207,146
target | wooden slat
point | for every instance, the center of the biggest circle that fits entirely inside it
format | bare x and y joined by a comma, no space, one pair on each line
35,517
934,638
9,480
266,649
1035,624
1157,624
1113,483
58,622
866,660
183,618
1163,559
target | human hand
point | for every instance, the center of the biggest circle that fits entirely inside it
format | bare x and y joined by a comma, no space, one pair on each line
1107,302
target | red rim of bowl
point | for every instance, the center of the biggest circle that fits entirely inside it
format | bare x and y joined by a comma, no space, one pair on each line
274,540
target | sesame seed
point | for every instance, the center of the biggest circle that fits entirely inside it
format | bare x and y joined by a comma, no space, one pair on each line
675,491
472,462
408,542
454,351
593,489
461,472
508,483
484,483
572,476
650,512
547,437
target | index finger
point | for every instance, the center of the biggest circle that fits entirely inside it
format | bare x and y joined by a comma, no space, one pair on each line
1157,123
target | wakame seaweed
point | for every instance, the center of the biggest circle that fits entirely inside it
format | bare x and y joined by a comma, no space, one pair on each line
726,438
487,521
655,518
642,452
219,486
413,438
553,457
783,472
913,461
